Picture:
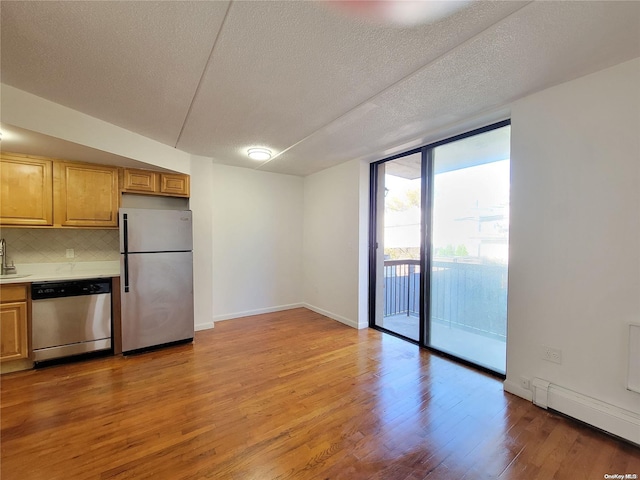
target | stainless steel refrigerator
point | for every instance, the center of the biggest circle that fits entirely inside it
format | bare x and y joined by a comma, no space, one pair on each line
156,277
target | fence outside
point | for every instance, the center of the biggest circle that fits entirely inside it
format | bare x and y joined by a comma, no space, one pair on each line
470,296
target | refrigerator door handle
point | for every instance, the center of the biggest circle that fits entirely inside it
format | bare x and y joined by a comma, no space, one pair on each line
125,229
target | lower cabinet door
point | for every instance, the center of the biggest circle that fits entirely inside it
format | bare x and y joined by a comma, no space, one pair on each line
13,331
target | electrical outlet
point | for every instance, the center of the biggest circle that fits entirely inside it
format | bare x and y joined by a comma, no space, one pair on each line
525,383
70,253
551,354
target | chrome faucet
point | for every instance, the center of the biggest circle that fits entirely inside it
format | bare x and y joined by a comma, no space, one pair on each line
6,270
3,254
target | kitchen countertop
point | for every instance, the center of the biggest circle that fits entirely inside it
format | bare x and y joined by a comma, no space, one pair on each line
44,272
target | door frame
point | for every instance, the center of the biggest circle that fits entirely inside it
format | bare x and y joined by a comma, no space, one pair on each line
426,204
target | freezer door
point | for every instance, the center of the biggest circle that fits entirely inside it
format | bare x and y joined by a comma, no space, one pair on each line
146,230
158,306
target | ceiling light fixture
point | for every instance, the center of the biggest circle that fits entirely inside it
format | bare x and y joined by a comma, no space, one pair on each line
402,13
259,153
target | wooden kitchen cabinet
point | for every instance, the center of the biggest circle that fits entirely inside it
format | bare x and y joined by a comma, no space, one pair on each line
26,197
86,195
38,191
140,181
14,336
174,184
155,183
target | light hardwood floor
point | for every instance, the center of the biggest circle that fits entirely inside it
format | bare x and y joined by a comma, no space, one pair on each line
288,395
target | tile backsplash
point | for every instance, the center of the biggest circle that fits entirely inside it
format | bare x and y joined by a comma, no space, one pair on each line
49,245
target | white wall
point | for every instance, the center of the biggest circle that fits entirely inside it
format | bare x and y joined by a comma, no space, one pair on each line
335,242
247,224
257,241
30,112
202,204
574,274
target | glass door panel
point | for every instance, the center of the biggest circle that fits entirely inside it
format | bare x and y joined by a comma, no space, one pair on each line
469,248
398,220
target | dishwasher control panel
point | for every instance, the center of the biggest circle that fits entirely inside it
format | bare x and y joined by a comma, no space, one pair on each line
40,291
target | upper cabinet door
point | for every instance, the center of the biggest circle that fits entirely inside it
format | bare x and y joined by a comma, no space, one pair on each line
86,195
174,184
27,190
155,183
140,181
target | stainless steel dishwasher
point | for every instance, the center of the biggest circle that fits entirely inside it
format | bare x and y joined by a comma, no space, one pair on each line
70,318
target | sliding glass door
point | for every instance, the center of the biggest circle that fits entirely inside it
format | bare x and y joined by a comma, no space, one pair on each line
440,246
399,185
470,248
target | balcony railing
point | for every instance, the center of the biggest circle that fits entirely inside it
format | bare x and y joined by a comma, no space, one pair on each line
401,287
470,296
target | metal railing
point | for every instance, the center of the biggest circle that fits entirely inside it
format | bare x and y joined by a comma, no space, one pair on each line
401,287
470,296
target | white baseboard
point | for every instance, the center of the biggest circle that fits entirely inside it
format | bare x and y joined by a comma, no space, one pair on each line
203,326
333,316
517,390
259,311
279,308
615,420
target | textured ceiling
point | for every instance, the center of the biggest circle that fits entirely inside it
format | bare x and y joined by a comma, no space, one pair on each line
316,86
